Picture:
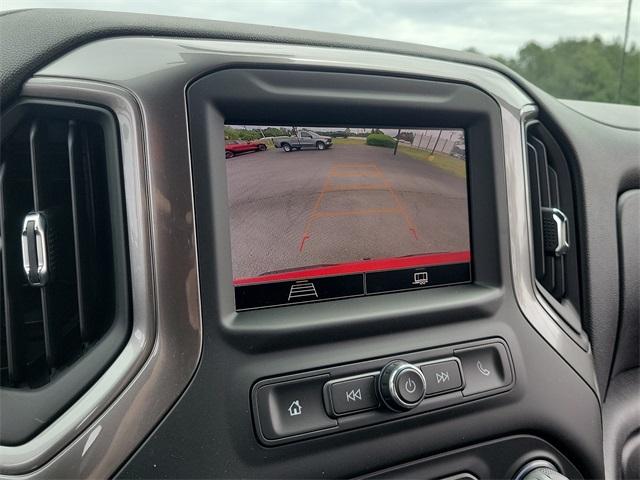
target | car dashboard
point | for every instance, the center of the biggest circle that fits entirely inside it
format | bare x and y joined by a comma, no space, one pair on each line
522,353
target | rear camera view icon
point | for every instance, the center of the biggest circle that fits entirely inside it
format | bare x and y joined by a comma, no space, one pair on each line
420,278
302,289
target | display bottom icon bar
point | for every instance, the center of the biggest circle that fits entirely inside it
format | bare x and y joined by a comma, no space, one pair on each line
271,294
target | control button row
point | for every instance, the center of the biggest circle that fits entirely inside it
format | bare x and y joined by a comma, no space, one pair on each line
300,406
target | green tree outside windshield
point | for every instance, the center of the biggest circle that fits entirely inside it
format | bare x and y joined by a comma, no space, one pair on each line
587,69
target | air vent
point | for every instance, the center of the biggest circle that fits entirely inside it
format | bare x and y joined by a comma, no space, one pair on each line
64,295
553,225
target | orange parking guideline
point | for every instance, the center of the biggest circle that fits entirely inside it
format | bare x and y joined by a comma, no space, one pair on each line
354,165
400,205
305,235
370,170
357,186
346,213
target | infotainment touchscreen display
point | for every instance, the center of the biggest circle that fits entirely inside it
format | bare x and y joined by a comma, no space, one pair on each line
322,213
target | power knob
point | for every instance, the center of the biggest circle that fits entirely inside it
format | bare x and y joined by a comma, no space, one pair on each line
401,386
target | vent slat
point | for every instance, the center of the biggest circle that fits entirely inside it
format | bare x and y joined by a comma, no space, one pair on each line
76,183
536,212
558,262
40,196
37,152
11,342
548,275
4,360
52,198
543,171
22,304
554,188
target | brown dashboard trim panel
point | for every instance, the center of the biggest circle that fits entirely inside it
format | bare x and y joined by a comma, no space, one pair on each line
165,344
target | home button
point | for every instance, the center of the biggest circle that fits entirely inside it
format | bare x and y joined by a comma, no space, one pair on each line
292,408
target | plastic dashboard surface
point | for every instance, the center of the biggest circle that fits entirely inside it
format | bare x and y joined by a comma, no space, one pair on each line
210,430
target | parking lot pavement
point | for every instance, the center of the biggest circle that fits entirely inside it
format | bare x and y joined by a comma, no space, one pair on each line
347,203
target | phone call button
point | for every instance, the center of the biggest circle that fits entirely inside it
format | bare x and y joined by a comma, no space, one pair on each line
485,368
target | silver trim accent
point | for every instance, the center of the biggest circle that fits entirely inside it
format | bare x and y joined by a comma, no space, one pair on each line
536,310
461,476
531,466
149,82
40,231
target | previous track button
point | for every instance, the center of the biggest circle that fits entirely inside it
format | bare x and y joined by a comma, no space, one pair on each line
354,395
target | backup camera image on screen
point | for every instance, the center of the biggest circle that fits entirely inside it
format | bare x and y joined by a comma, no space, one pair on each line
319,213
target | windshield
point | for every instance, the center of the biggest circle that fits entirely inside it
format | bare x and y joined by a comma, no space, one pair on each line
581,50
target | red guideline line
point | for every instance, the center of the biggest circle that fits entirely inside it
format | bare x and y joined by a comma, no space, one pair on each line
362,266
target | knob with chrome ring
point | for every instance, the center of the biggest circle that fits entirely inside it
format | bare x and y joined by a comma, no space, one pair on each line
401,386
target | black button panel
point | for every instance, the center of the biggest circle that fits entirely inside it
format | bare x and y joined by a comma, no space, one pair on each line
294,407
353,395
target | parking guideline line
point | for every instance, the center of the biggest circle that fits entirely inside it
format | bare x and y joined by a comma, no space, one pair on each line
357,186
412,227
328,187
346,213
305,234
325,188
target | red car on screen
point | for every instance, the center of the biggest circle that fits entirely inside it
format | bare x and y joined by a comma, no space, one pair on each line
235,147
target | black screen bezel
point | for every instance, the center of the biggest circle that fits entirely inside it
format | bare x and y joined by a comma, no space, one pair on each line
319,96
